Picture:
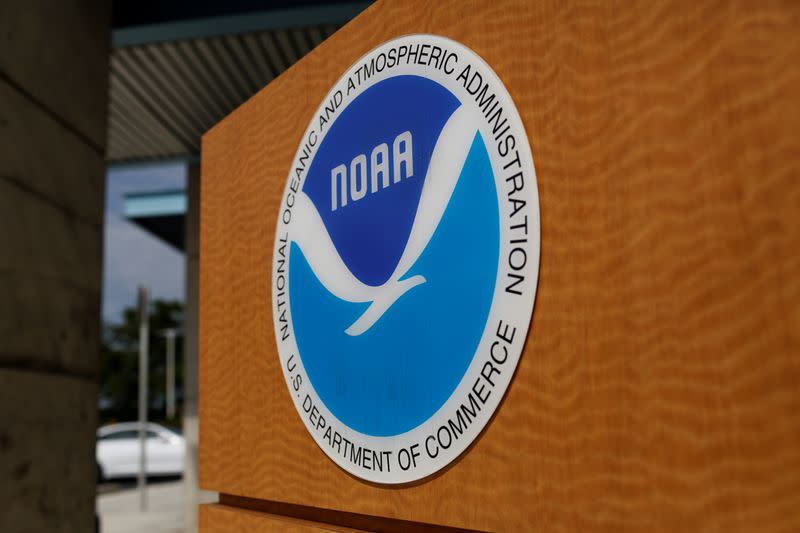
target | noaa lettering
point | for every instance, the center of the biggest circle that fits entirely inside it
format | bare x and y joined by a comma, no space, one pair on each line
406,259
370,174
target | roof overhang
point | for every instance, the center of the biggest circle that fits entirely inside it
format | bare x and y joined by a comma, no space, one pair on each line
173,78
160,213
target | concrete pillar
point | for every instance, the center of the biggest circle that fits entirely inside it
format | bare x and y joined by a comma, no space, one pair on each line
190,327
53,99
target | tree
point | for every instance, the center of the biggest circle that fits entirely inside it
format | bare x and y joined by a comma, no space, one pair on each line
119,364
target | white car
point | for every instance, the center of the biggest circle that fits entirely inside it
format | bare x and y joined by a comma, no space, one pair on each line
118,451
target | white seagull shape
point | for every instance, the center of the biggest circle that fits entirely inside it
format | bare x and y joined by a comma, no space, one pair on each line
311,236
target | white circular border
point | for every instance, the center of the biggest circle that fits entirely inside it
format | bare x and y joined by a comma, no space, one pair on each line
515,311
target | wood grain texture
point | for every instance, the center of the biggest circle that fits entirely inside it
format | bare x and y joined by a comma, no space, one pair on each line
340,519
659,386
223,519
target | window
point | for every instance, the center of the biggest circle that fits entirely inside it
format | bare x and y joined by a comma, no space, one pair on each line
128,434
119,435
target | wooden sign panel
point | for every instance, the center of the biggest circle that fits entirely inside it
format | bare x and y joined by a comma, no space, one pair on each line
658,387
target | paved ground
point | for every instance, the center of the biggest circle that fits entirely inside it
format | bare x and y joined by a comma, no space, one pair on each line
118,507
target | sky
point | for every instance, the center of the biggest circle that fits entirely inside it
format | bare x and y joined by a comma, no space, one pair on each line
131,256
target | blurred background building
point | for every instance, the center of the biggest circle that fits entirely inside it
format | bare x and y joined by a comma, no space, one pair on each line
86,89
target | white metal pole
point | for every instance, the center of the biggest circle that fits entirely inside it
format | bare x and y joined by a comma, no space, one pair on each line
143,371
170,333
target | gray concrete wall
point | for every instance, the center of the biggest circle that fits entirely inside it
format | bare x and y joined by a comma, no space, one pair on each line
53,99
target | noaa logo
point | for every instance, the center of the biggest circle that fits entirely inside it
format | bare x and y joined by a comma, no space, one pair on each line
406,259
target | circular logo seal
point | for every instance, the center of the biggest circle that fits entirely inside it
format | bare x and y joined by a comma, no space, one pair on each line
406,259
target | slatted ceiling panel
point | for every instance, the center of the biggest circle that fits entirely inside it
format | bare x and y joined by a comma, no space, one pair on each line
273,54
132,126
330,30
195,81
128,115
140,142
287,46
180,82
166,92
258,57
222,63
175,84
302,39
208,83
204,56
246,65
315,34
140,89
298,41
121,140
165,95
122,135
